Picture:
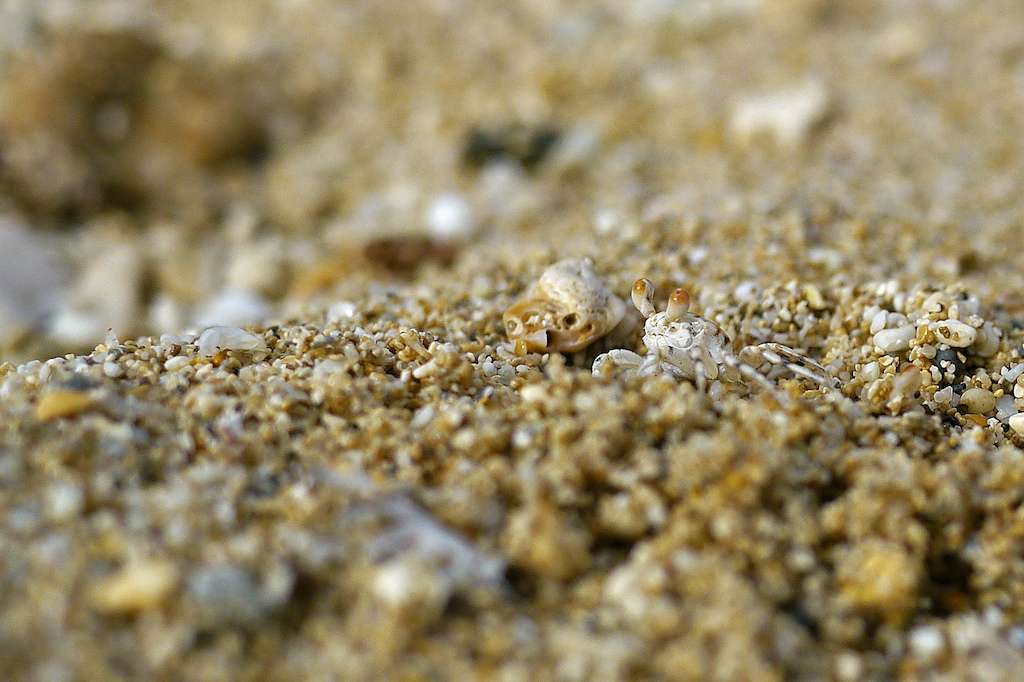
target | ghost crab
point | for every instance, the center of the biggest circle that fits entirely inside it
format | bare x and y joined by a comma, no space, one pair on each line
685,345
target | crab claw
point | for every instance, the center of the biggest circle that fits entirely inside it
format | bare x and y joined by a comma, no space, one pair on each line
643,296
678,304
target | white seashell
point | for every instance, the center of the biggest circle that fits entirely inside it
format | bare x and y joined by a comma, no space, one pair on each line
569,309
217,339
955,333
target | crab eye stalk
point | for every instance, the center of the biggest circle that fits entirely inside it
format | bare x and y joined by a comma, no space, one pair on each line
643,296
678,304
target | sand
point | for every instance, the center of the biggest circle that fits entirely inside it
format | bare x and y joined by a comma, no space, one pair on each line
374,482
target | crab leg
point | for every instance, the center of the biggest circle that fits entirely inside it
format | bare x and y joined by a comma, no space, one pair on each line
798,364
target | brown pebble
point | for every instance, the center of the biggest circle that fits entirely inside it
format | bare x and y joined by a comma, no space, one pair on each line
403,253
976,419
61,403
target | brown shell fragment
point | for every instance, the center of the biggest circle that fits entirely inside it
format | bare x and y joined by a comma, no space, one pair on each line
569,309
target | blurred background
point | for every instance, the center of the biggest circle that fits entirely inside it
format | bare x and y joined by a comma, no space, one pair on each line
171,164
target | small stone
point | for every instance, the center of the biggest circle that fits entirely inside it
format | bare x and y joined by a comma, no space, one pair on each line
575,150
64,502
879,577
849,666
342,310
540,541
945,396
978,400
134,588
895,340
987,343
955,333
927,642
176,363
1004,406
57,404
407,586
814,298
951,362
1013,373
1016,423
449,217
112,369
217,339
870,371
622,516
226,595
878,322
787,117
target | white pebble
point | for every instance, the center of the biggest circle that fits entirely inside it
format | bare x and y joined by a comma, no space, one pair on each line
978,400
893,320
878,322
944,396
113,369
575,150
955,333
787,117
342,310
449,217
849,666
1004,406
870,313
894,340
422,417
1015,636
927,642
987,344
1012,373
216,339
870,371
1016,423
176,363
747,291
